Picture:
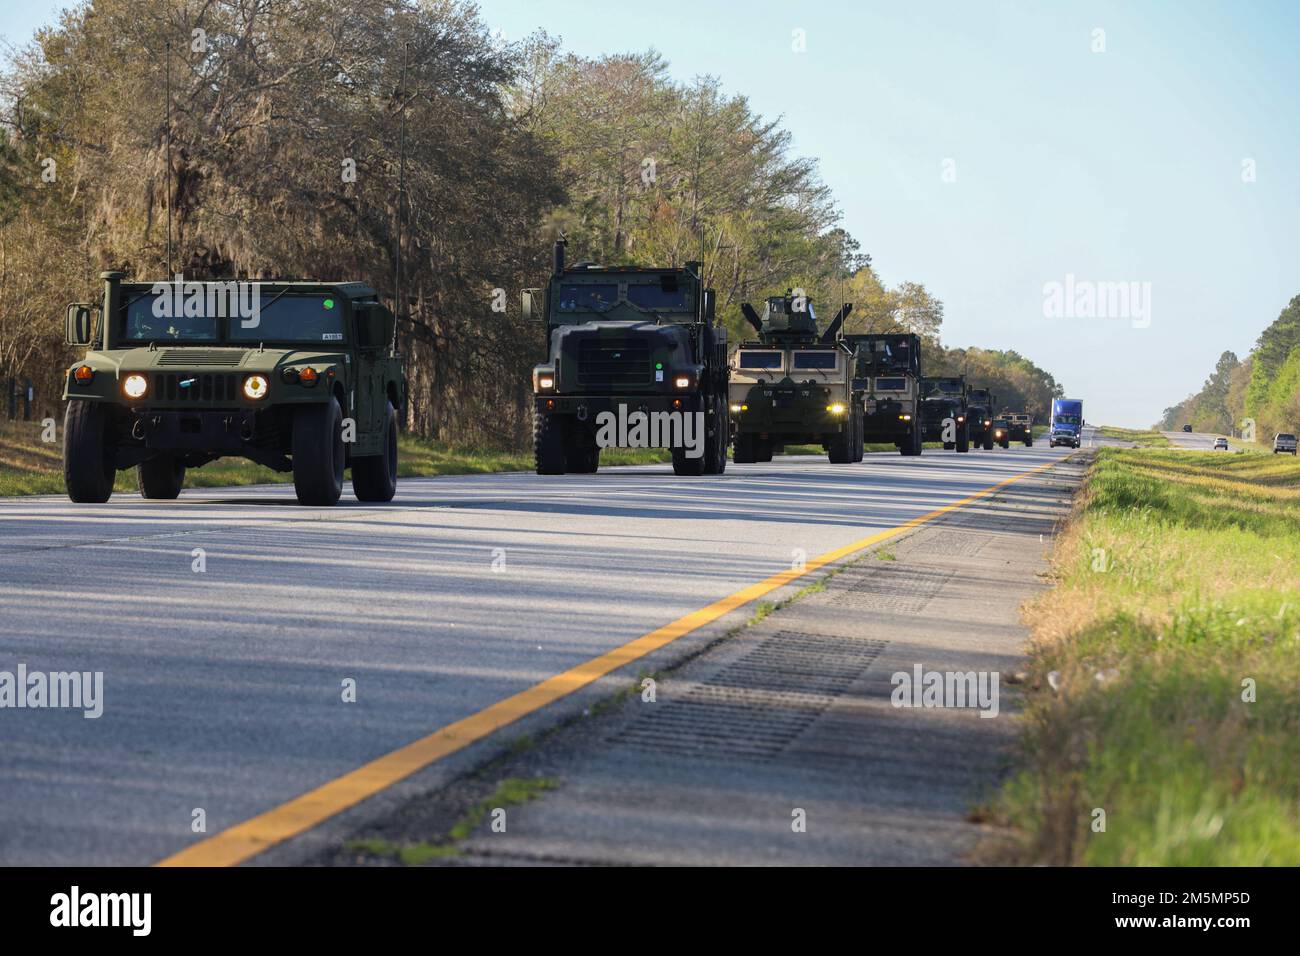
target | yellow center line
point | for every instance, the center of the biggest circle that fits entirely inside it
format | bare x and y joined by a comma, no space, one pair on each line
245,840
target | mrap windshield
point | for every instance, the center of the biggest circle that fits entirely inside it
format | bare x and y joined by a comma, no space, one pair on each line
287,317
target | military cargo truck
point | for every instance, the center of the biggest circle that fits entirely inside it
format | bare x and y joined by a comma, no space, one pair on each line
297,376
635,358
794,385
980,415
1020,426
888,376
944,412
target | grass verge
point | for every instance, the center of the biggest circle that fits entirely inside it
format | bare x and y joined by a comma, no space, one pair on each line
1139,437
1173,641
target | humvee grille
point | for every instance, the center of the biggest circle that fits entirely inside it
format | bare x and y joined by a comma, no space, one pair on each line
610,363
201,357
206,387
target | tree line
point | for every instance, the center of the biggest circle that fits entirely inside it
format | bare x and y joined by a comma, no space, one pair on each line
301,132
1263,388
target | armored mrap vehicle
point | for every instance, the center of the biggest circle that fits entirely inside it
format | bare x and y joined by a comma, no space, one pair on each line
944,412
636,359
888,376
794,385
979,408
297,376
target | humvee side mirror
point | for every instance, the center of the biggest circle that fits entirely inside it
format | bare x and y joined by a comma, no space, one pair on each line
76,325
375,326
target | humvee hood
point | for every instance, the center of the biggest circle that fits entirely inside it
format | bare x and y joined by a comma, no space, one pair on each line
218,358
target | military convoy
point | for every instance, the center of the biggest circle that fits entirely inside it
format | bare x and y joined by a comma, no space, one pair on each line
794,385
636,358
304,377
888,376
297,376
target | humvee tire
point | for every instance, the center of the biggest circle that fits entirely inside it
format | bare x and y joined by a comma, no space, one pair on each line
374,477
548,444
318,457
87,457
1006,443
1029,442
160,477
742,449
963,439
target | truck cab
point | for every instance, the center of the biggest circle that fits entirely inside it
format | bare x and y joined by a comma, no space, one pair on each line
1067,423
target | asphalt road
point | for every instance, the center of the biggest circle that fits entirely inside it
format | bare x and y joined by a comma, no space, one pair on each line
1197,441
222,687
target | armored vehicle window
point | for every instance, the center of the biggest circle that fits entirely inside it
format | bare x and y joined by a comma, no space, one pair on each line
587,298
759,360
891,384
814,359
948,388
293,318
666,294
140,321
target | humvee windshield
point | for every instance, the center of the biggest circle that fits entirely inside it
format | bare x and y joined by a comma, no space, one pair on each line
293,318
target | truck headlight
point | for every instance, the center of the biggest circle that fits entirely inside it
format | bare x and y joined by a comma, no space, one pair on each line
135,386
543,380
836,409
682,381
255,387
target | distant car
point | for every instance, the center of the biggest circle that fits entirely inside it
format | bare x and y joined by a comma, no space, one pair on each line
1187,428
1284,441
1220,443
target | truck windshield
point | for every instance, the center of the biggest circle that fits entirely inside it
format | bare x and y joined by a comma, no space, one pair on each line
588,298
814,359
1066,419
658,297
759,360
891,384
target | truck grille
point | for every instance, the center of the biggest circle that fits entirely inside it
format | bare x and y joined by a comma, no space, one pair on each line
206,387
200,357
612,363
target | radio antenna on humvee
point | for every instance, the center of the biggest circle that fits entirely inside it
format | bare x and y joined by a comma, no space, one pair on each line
168,113
401,187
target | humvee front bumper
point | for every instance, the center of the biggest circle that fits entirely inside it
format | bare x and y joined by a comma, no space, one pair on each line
209,430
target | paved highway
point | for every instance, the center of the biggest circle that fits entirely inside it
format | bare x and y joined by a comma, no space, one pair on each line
1197,441
222,687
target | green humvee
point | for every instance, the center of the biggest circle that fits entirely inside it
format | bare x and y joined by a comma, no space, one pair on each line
297,376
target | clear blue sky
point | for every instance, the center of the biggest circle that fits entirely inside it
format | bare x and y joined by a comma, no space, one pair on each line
1117,166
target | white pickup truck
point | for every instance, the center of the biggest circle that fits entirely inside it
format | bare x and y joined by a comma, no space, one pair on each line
1285,442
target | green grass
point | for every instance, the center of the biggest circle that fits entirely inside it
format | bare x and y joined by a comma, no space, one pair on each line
1141,438
30,466
1177,582
510,792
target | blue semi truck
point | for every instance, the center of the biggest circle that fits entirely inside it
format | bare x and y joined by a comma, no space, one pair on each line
1067,422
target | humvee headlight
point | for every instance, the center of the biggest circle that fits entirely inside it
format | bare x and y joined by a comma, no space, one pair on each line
84,374
682,381
739,408
134,386
255,387
836,409
906,418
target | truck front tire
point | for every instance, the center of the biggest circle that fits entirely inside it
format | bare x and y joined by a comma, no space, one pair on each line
548,444
374,477
161,477
88,454
963,439
318,457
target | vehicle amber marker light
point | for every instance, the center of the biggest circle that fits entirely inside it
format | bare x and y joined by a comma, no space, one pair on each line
308,376
84,374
